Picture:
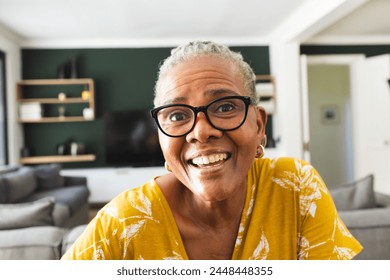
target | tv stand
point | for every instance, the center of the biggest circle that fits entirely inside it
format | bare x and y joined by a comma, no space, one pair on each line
106,183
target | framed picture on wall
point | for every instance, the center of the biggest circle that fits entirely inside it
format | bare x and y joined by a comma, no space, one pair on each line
330,114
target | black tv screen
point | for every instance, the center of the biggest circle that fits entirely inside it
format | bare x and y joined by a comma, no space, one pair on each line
131,139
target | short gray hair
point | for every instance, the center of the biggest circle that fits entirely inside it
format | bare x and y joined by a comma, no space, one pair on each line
198,48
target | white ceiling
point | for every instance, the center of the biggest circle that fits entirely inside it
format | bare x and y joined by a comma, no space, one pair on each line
62,23
369,23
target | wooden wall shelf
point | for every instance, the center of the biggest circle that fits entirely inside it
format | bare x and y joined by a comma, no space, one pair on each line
57,159
55,120
69,100
23,98
40,82
39,100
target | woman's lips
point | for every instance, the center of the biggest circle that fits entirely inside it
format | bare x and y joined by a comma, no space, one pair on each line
209,160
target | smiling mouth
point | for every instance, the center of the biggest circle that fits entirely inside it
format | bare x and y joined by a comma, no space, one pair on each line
209,160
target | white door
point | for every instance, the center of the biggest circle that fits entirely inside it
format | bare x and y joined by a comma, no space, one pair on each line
373,127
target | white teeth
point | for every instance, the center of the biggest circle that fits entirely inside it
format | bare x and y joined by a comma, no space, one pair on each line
203,160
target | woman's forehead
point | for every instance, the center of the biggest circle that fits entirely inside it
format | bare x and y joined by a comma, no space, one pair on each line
209,75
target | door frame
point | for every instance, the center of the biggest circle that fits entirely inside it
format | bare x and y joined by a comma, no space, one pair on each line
3,96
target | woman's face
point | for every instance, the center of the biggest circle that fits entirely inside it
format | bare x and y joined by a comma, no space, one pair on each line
198,82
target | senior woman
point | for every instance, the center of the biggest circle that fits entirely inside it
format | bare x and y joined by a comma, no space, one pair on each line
220,199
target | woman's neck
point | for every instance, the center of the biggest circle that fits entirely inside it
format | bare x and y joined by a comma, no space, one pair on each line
214,214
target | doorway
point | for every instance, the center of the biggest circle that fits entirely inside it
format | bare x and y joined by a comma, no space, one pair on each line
333,118
366,118
330,122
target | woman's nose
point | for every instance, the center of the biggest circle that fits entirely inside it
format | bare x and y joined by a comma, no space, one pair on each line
203,130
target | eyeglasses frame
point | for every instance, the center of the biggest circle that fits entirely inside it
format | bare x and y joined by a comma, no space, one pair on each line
247,101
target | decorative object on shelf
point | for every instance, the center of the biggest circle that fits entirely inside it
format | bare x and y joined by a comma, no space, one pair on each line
68,69
70,147
61,149
85,94
266,92
76,148
30,111
88,114
61,96
61,72
61,112
73,71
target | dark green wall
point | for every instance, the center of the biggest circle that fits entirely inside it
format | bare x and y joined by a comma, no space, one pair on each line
124,79
368,50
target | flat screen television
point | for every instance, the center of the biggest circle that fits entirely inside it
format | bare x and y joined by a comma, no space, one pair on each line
131,139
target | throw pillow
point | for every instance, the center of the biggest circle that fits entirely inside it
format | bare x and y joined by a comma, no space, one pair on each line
29,214
20,183
49,177
355,195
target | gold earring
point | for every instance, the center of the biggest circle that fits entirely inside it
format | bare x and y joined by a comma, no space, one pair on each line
167,168
264,141
260,151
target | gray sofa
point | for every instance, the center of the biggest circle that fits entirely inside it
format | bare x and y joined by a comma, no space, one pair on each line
54,199
366,213
39,211
37,243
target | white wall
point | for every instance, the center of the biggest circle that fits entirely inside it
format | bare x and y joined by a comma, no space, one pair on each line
285,65
10,46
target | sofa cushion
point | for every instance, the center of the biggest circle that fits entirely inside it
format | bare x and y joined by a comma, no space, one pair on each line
61,214
355,195
33,243
71,236
74,197
20,215
20,183
48,176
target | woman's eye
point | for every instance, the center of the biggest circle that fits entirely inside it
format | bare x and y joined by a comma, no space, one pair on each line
177,116
225,108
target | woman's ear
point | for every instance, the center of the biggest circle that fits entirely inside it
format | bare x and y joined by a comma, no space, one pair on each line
261,121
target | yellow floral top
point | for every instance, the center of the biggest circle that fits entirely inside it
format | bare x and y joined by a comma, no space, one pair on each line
288,214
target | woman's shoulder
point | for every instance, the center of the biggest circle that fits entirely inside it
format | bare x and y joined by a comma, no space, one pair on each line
282,164
286,170
133,201
294,173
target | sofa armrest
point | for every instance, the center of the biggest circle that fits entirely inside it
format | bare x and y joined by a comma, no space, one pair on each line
366,218
383,200
75,180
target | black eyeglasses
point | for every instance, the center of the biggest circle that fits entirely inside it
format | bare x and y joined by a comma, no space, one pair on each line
226,114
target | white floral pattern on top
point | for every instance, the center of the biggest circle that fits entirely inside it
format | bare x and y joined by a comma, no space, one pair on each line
288,214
